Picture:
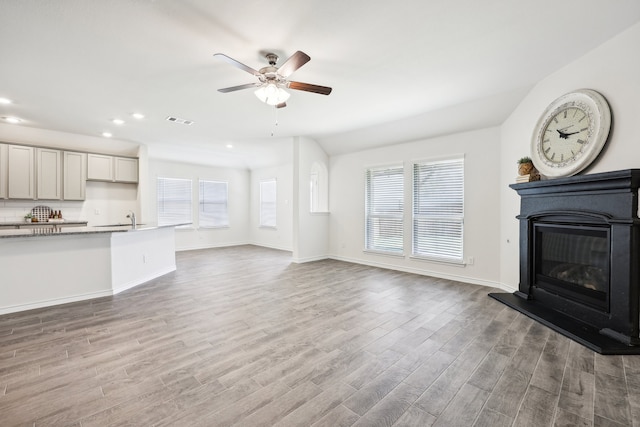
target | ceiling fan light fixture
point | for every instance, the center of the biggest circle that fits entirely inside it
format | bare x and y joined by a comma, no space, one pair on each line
272,94
12,120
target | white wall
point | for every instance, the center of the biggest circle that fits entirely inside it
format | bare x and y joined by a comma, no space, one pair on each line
612,69
280,237
481,229
44,271
140,256
311,230
194,237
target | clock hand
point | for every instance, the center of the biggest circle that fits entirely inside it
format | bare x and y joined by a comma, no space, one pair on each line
572,133
562,134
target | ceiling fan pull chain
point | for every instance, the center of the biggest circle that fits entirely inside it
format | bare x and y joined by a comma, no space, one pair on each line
275,120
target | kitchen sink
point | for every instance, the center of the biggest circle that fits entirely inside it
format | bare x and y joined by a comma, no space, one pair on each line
126,224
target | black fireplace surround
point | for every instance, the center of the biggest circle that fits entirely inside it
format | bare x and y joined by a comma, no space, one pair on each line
579,258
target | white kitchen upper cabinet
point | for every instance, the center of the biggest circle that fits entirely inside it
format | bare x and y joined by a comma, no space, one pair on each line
4,170
48,174
99,167
21,176
126,169
75,176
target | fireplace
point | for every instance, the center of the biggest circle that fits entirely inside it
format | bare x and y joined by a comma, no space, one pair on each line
579,256
573,262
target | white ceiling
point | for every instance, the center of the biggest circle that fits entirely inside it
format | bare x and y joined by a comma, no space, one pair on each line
399,70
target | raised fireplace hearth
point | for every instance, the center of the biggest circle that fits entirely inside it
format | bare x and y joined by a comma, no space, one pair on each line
579,258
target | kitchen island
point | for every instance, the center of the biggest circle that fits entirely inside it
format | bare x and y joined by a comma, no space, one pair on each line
56,265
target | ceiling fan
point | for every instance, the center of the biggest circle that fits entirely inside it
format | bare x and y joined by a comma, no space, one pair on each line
272,80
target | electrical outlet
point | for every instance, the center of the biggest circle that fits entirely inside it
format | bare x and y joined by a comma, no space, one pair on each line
96,212
470,260
144,258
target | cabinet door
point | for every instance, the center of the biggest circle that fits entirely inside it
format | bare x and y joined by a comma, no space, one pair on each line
4,165
126,169
99,167
48,174
75,176
21,178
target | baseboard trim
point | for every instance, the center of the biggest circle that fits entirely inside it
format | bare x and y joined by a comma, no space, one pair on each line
279,248
421,272
140,281
310,259
54,301
84,297
210,246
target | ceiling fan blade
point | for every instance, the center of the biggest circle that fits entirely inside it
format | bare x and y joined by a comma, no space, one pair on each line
292,63
307,87
281,105
237,64
234,88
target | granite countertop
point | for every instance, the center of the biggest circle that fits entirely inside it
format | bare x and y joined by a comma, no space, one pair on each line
66,231
40,223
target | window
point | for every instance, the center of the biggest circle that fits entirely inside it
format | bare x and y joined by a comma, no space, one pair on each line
174,201
384,209
213,207
438,209
268,203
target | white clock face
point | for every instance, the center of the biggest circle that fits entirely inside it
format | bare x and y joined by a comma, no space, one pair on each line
571,133
566,134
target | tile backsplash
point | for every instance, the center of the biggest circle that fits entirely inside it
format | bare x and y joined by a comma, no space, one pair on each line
15,210
106,203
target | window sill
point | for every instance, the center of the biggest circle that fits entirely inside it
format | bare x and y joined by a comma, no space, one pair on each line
439,261
213,227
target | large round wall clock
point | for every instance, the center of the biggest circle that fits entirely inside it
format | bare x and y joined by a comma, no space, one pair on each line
571,133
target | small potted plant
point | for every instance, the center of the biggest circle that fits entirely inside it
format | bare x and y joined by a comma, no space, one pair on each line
28,217
525,166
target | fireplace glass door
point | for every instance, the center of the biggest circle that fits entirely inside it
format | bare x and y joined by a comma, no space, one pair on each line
573,262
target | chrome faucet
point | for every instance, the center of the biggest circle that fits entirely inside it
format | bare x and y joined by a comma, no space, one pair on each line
132,217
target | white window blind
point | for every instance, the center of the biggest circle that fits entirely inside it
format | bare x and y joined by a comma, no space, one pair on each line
384,209
438,209
174,201
268,203
213,205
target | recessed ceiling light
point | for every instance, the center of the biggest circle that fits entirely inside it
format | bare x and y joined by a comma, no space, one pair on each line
13,120
118,121
229,146
107,134
5,101
138,116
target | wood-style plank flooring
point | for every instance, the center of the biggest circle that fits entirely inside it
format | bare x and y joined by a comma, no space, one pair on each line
241,336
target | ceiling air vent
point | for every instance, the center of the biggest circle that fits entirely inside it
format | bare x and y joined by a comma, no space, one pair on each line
179,120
